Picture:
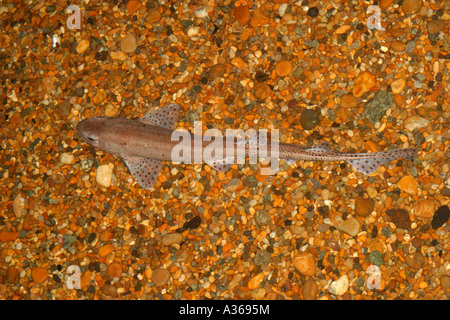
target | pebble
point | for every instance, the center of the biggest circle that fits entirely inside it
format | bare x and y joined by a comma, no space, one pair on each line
350,226
216,71
63,108
411,6
8,236
153,16
304,263
424,208
401,219
258,293
104,175
262,91
100,96
415,260
339,286
313,12
39,275
364,206
12,274
384,4
309,119
349,101
242,15
376,258
363,83
171,238
398,46
105,250
109,290
262,218
283,68
255,281
408,184
133,6
111,111
310,290
114,270
445,192
119,55
242,292
398,85
19,204
445,283
82,46
375,109
262,258
435,26
259,19
440,217
415,122
239,63
67,158
378,245
160,276
128,43
194,223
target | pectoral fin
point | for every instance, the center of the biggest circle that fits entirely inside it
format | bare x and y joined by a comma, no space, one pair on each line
145,171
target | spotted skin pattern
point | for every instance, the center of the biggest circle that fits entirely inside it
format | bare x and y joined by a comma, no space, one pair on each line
146,142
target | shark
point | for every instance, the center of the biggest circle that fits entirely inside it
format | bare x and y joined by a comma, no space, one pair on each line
146,142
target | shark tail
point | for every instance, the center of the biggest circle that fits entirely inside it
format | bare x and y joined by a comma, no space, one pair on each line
366,163
374,160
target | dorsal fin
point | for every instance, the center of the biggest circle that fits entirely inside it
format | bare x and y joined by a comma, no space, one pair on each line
164,117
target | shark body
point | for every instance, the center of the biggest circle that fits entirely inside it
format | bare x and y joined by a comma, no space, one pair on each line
146,142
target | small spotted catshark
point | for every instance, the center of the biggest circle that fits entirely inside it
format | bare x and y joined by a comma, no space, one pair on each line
146,142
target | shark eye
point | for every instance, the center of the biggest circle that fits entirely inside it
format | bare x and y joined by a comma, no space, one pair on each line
91,139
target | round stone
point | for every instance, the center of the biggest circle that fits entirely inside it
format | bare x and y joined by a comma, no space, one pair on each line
242,15
309,119
411,6
313,12
364,206
304,263
160,276
128,43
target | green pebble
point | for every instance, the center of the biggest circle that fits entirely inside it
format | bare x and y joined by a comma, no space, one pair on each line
386,232
376,258
186,23
197,89
297,72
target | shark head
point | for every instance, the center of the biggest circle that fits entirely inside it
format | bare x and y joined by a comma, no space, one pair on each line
90,131
102,133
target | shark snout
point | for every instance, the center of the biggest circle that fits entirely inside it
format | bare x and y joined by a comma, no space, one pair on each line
86,130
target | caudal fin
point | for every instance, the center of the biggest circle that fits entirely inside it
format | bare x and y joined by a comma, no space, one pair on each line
376,159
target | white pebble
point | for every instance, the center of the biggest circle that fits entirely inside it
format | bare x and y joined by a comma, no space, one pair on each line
282,9
201,13
66,158
339,286
104,175
193,31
